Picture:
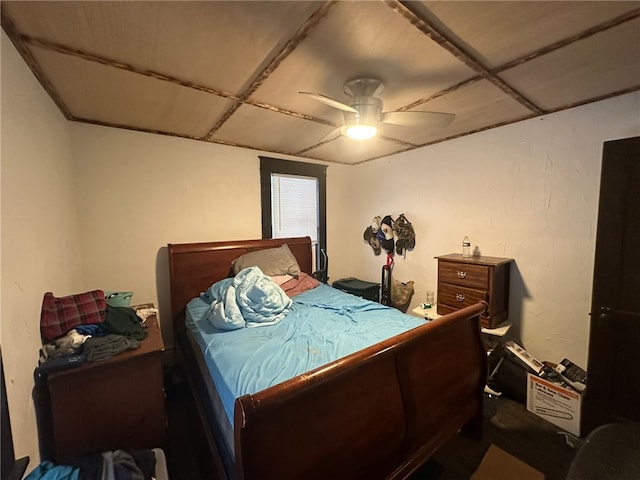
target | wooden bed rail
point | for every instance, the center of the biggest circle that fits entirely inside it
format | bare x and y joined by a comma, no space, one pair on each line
383,410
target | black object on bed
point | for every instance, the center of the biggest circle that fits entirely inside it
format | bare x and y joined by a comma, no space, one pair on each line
359,288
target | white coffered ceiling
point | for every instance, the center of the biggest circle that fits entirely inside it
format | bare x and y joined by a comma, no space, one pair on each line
230,72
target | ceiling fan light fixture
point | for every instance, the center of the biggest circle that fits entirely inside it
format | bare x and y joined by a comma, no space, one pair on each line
359,132
363,115
364,124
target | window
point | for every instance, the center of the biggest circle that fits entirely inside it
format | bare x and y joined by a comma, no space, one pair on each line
294,206
294,201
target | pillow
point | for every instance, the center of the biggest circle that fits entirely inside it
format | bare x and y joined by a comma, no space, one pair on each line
296,286
280,279
272,261
61,314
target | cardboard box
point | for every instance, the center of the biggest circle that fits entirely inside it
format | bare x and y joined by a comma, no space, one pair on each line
558,405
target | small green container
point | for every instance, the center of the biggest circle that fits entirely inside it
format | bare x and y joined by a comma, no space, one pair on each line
118,299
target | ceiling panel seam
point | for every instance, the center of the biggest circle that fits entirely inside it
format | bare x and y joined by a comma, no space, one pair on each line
17,39
62,49
631,15
586,101
458,52
307,27
410,146
477,130
446,91
74,52
104,123
180,135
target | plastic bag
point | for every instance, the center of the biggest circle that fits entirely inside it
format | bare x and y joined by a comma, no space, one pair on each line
401,294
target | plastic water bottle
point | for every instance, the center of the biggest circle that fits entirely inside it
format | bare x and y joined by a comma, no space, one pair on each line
466,247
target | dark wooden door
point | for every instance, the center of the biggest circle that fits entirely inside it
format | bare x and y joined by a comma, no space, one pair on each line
613,384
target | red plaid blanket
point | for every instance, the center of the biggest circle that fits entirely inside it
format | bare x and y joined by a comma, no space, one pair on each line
61,314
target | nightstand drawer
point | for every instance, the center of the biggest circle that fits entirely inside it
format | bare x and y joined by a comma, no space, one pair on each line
464,274
485,321
460,297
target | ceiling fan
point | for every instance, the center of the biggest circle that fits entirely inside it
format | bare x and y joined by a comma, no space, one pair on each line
364,115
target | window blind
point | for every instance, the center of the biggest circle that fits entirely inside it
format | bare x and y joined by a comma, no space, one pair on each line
294,204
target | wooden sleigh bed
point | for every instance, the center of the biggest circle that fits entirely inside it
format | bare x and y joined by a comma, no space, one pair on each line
378,413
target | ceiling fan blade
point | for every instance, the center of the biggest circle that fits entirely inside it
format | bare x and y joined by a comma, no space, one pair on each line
330,101
326,138
331,136
424,119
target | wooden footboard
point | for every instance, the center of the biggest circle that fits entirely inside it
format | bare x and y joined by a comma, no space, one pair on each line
378,413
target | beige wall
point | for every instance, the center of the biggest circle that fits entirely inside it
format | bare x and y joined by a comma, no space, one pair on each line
139,192
40,231
528,191
91,207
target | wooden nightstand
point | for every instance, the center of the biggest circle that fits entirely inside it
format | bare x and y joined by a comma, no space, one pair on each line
112,404
463,281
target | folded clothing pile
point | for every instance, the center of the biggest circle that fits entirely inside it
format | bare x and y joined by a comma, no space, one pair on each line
103,348
85,327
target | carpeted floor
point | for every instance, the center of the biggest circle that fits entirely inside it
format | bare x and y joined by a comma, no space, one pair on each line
508,425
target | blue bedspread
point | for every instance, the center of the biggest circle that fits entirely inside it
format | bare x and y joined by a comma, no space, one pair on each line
323,324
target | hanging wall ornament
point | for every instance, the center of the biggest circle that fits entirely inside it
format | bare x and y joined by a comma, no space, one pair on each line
405,233
369,235
385,234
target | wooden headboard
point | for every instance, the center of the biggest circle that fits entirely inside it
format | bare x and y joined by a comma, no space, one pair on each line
194,267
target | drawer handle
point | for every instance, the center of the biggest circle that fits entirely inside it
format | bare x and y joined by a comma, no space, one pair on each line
460,297
462,274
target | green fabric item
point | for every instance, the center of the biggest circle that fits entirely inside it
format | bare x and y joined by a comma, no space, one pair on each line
123,321
103,348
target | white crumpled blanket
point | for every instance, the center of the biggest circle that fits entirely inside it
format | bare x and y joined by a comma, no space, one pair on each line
250,299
